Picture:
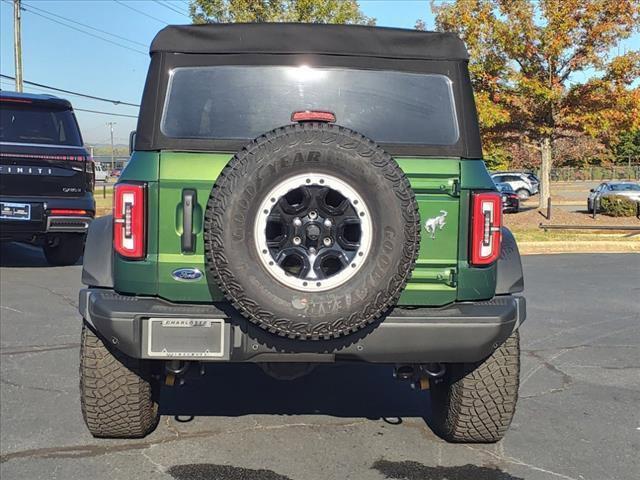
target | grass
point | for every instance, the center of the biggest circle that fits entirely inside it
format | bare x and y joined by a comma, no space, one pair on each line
539,235
104,204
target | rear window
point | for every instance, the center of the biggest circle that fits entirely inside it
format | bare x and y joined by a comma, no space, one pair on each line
624,187
37,124
231,102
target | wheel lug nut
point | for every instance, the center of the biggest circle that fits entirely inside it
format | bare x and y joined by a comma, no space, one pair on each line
313,214
326,241
327,223
297,241
297,222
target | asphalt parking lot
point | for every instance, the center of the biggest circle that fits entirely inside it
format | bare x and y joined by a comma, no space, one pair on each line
578,416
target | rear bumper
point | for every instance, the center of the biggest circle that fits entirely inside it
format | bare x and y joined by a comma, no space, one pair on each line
42,221
461,332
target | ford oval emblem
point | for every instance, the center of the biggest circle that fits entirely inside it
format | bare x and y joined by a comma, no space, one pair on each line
187,274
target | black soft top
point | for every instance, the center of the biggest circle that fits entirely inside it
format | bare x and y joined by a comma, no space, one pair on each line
316,45
305,38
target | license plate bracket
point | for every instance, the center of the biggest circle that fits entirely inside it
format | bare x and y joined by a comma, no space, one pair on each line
15,211
187,338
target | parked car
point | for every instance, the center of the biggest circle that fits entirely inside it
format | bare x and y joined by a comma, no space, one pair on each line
46,176
522,183
298,248
115,173
100,172
607,189
510,199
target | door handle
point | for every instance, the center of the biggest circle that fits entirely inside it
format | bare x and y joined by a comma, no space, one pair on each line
188,238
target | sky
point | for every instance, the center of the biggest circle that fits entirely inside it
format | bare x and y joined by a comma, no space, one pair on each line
60,56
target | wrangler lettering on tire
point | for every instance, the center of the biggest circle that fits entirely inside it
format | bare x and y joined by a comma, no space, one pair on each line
309,211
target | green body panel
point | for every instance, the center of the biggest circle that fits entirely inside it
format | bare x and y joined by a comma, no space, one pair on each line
442,274
180,171
473,283
141,277
435,183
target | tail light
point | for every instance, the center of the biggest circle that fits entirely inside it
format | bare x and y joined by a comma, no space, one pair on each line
486,220
68,212
129,222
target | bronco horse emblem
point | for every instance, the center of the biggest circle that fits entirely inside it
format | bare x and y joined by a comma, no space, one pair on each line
432,224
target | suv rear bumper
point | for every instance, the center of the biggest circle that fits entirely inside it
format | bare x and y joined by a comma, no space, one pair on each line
43,222
461,332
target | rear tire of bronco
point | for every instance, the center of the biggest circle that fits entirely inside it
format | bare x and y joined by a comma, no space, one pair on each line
64,249
475,402
115,395
523,194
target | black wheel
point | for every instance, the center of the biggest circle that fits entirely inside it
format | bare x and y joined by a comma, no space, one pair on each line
312,231
116,393
475,402
523,194
64,249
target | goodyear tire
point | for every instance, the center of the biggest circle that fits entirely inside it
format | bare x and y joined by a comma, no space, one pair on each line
311,232
116,395
475,402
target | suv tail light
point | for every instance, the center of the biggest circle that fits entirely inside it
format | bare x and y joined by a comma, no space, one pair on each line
486,220
129,222
67,211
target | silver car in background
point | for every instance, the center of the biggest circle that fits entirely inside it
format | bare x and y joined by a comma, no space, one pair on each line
609,189
524,184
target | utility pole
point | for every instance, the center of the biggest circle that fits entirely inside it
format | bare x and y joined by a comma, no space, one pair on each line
17,44
111,124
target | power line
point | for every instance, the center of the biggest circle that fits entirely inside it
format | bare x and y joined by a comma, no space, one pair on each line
82,31
93,97
105,113
91,111
165,5
85,25
140,12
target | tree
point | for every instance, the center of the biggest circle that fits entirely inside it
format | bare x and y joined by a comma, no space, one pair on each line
525,57
310,11
627,149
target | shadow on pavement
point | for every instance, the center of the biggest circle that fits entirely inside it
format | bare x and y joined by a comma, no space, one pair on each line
21,255
341,390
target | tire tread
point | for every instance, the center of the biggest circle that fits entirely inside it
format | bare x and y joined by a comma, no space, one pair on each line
116,401
478,404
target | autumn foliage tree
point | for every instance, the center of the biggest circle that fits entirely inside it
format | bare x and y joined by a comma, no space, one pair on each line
543,70
310,11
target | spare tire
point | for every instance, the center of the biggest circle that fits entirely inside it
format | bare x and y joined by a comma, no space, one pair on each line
312,231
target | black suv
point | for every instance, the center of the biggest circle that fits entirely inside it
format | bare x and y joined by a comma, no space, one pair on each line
46,176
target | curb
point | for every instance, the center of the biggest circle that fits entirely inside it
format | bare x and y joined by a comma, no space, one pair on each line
553,247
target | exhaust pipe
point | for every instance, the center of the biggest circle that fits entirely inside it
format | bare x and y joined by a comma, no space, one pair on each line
420,376
434,370
175,369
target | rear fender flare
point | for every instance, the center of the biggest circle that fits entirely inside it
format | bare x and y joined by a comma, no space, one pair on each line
509,268
97,267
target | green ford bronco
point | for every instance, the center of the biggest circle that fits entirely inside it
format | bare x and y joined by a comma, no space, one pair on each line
302,194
